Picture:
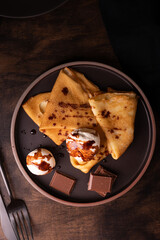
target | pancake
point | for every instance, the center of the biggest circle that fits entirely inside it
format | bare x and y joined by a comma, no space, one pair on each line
88,87
65,108
68,106
115,113
35,108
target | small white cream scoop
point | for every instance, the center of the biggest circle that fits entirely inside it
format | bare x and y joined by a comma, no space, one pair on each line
40,161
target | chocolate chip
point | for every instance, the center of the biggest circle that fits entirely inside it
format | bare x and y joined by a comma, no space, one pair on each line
85,105
66,133
66,105
111,130
105,114
117,128
65,91
52,116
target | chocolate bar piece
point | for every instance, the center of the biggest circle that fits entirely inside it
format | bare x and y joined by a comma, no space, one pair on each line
62,182
102,171
101,181
100,184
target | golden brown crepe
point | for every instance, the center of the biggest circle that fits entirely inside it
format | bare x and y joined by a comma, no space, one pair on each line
88,87
68,107
35,108
115,112
68,102
102,153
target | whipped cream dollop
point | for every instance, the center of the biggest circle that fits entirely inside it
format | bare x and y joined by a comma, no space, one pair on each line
83,144
40,161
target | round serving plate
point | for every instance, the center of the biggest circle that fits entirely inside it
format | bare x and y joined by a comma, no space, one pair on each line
27,8
129,168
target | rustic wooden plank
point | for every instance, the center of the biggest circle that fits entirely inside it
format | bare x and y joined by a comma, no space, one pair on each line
28,47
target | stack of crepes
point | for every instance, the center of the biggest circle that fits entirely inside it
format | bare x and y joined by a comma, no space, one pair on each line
75,102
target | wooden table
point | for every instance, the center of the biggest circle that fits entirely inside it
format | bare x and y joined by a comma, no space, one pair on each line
28,47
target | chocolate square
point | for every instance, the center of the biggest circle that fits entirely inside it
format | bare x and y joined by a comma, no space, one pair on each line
101,181
100,184
62,182
102,171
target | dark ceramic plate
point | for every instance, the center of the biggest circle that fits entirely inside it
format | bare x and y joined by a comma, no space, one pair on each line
27,8
129,167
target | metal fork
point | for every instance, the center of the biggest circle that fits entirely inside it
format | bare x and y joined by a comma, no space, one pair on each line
18,212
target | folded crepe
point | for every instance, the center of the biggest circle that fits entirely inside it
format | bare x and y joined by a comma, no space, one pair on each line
85,166
68,106
68,102
35,108
115,113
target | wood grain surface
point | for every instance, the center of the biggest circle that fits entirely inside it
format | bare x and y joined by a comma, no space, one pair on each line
28,47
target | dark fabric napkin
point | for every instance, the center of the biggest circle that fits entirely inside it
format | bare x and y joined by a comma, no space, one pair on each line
134,31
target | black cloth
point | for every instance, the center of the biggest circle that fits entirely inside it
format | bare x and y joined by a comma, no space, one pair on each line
134,31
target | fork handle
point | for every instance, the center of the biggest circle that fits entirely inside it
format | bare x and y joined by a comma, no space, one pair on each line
4,176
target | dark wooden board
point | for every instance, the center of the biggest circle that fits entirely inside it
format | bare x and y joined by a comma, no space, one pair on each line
29,47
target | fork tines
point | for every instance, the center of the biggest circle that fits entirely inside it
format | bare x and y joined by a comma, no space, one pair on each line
21,224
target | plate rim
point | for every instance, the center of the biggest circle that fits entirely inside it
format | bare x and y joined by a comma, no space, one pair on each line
13,144
33,15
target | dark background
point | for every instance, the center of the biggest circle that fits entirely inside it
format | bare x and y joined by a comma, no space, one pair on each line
76,31
134,31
